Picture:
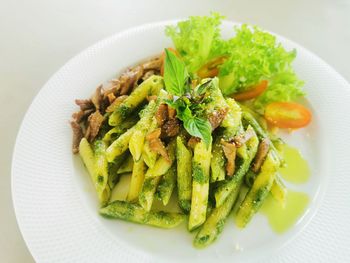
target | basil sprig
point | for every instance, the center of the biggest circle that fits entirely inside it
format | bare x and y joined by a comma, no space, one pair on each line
176,79
175,74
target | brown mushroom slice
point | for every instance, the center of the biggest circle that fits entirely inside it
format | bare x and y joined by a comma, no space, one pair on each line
129,78
77,136
148,74
95,121
114,87
241,139
230,154
156,144
111,97
260,156
79,116
153,64
171,113
97,97
84,104
170,128
162,114
216,117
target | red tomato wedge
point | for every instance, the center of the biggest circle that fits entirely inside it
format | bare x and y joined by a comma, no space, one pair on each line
163,58
252,92
210,69
287,115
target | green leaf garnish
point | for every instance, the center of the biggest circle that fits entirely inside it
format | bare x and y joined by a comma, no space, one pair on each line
201,89
199,128
175,74
194,125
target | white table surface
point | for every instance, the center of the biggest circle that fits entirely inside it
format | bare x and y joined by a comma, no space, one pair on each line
38,36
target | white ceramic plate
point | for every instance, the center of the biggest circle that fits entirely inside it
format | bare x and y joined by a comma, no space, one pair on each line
56,206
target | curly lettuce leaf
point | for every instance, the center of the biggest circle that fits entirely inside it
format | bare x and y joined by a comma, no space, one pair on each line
284,86
254,55
197,39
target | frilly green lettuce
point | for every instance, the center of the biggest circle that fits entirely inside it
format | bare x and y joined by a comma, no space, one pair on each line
252,55
195,39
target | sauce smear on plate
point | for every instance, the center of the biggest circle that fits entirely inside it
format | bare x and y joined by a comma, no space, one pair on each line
297,169
282,218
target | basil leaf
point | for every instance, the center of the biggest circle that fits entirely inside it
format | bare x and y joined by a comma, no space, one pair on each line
183,110
184,114
175,74
172,103
195,126
199,128
201,89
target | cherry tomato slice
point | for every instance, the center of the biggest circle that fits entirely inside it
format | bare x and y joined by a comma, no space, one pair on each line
163,58
287,115
210,69
252,92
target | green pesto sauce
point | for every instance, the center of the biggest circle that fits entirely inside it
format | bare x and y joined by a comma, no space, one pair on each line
202,240
296,169
148,184
220,225
282,218
198,174
124,111
185,205
100,179
127,213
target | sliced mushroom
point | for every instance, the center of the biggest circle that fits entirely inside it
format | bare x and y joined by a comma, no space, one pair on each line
129,78
84,104
81,115
111,97
95,121
153,64
171,113
162,114
260,156
229,149
114,87
97,97
156,144
77,136
216,117
148,74
170,128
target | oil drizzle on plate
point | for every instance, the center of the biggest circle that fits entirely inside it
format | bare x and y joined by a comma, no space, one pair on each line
281,218
296,169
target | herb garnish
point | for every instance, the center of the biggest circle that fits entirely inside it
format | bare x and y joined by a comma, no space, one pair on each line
177,79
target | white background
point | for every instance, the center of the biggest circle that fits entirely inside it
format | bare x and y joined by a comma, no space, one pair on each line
38,36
